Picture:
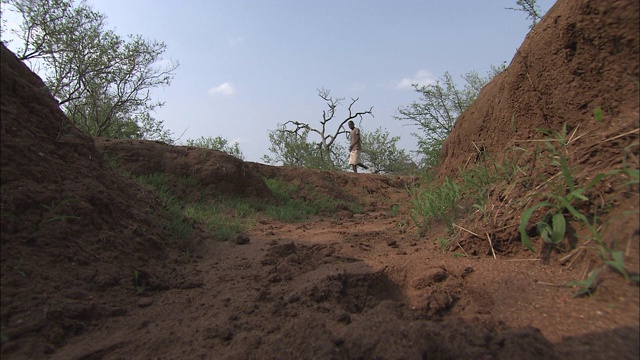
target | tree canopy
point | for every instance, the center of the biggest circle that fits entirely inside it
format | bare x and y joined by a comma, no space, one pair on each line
217,143
439,107
380,151
102,81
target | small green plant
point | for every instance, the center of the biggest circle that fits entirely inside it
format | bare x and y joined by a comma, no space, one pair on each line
586,286
53,207
552,228
613,258
17,267
560,199
111,159
402,226
444,244
616,261
563,200
598,114
52,215
437,202
138,282
63,133
186,257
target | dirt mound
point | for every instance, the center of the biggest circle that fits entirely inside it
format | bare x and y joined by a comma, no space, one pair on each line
74,232
214,170
376,192
582,55
573,84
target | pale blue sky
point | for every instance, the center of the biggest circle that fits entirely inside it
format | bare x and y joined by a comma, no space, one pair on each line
246,66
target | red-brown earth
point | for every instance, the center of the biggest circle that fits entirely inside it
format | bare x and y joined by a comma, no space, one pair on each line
76,228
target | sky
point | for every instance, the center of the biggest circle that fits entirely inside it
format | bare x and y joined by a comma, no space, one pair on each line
247,66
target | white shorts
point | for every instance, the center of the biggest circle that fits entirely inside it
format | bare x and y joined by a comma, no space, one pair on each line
354,157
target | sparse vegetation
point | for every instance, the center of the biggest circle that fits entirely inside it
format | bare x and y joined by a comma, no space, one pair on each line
53,212
438,202
565,197
530,8
226,217
217,143
444,201
292,208
178,225
111,159
562,197
16,268
394,209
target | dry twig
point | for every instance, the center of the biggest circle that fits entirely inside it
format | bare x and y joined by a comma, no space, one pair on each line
524,259
621,135
491,246
469,231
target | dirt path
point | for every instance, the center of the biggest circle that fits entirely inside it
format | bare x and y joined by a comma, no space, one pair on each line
359,288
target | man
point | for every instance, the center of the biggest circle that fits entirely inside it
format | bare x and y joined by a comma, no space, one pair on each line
354,148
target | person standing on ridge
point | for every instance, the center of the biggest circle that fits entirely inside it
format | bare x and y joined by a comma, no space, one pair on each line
354,148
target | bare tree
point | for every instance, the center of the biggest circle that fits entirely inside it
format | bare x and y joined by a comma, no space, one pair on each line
327,136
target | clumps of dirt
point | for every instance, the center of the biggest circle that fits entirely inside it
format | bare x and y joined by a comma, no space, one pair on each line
437,291
352,292
387,331
356,312
356,292
304,257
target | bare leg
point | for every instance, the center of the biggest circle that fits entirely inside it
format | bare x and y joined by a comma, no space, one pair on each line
355,168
